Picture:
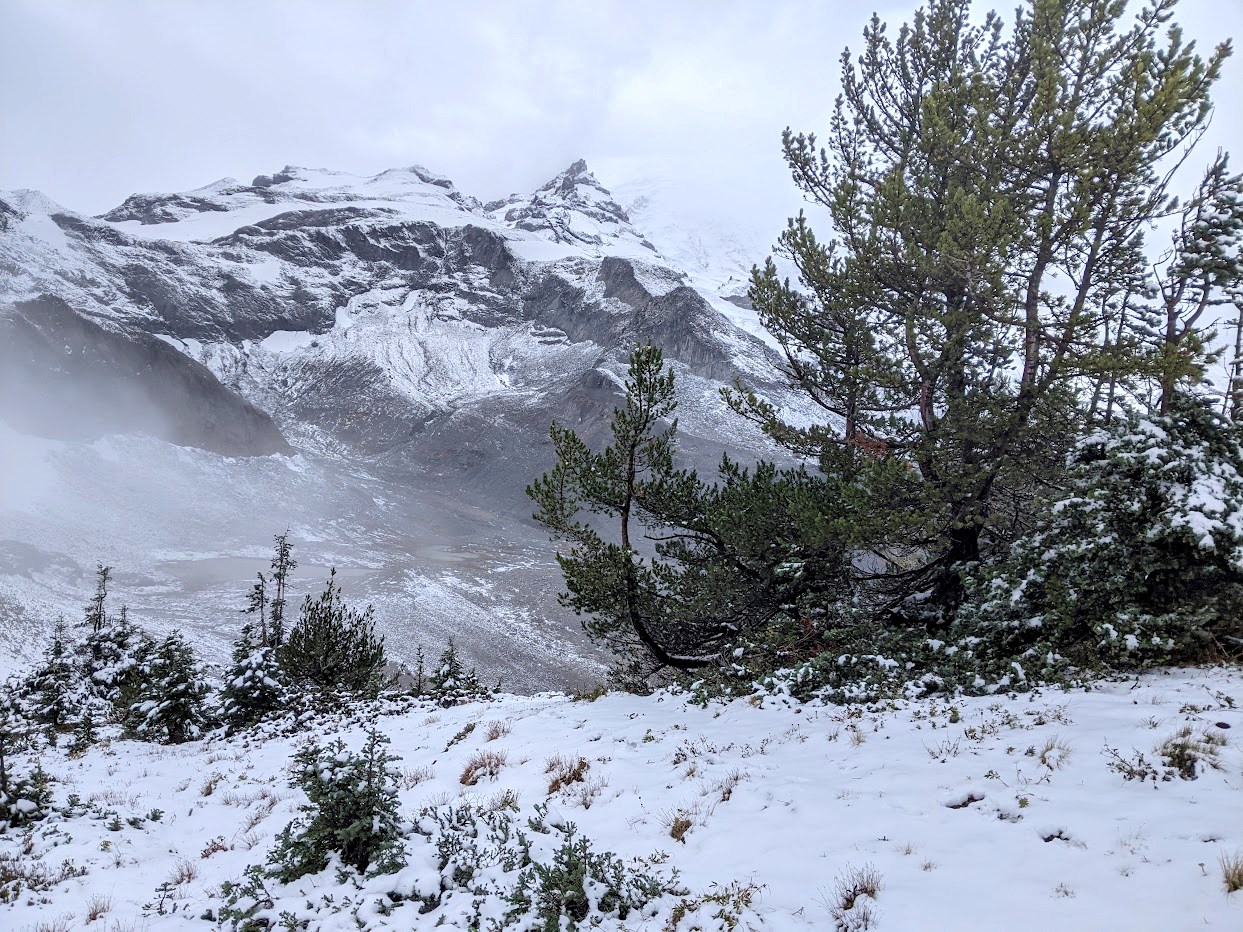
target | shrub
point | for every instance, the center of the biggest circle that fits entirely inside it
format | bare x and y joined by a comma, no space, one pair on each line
1140,564
351,812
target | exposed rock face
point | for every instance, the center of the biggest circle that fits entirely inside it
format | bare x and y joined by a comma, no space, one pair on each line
63,376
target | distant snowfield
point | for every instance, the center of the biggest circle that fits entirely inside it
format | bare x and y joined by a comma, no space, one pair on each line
950,803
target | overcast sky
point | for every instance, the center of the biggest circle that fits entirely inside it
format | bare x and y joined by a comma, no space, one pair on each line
102,98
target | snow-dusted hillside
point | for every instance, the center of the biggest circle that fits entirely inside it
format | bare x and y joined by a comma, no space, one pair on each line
407,340
980,814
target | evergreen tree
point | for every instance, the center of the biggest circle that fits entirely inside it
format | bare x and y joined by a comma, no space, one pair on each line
52,691
451,683
334,647
283,564
84,732
608,579
692,571
24,793
967,168
96,610
1141,563
112,659
351,812
254,684
171,706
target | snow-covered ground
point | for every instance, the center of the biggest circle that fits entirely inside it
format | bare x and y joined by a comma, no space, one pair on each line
975,814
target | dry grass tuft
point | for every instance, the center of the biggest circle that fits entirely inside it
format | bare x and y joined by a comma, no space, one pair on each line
1232,871
483,764
1055,753
565,771
97,907
854,893
413,776
496,729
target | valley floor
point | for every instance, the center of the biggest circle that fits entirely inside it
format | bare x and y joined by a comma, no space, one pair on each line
979,814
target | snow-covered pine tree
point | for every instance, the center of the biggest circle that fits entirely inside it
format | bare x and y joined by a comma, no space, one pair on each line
1141,563
283,563
171,706
254,684
111,656
53,692
352,811
24,794
451,683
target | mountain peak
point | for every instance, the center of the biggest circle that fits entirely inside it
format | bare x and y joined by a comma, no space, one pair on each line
574,208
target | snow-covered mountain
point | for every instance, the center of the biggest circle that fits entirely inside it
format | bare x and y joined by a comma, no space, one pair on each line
412,345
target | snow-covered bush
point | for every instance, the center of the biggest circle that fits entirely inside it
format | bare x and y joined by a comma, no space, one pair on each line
254,685
1140,564
450,683
481,867
351,813
24,795
172,697
111,659
53,693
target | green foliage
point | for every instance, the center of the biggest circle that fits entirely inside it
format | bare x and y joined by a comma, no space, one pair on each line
171,706
967,166
254,683
578,885
1141,563
53,690
24,794
549,879
334,647
351,812
111,659
722,565
450,683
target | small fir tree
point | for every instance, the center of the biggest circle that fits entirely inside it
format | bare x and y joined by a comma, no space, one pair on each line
254,684
351,812
52,692
24,793
451,683
172,705
334,647
283,564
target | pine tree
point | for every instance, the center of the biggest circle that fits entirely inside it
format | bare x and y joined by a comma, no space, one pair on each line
283,564
96,610
608,579
84,733
24,793
692,572
351,812
1140,563
52,691
111,662
171,706
254,684
451,683
967,168
334,647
